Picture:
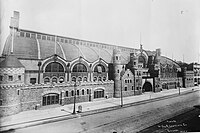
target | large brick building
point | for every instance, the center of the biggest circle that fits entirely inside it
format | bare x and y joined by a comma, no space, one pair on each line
40,69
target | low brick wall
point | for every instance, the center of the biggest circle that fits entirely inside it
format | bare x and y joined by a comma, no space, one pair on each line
32,96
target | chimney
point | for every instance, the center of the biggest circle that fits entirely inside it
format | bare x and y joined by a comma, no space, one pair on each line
158,52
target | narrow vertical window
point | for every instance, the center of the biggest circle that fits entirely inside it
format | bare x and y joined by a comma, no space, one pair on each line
19,77
77,92
72,93
1,78
66,94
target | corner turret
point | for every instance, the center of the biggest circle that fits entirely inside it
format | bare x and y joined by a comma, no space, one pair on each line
11,82
117,69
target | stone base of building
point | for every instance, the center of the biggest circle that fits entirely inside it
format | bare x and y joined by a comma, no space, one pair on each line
127,93
9,110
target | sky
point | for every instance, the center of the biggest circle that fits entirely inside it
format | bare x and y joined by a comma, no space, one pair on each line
172,25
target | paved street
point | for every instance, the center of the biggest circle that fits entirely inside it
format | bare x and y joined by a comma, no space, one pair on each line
186,122
130,119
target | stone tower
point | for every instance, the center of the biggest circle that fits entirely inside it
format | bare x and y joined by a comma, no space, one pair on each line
117,62
11,83
157,57
133,60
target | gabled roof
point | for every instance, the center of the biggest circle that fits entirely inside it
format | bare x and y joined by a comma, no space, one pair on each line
11,62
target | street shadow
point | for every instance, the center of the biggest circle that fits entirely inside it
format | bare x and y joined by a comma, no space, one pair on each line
65,111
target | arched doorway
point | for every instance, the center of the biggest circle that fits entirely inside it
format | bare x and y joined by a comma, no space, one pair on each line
147,87
99,93
51,98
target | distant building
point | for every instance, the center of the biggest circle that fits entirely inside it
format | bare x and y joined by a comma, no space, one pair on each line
188,78
196,69
39,69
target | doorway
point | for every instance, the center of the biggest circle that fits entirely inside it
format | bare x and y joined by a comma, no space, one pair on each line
147,87
49,99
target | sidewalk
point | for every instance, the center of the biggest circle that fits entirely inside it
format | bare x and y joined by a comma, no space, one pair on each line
39,116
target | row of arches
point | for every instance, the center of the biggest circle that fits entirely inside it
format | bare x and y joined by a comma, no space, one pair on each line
54,80
74,79
54,72
79,67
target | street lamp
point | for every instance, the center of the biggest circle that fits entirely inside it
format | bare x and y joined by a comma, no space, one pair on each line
121,75
74,110
134,82
75,87
179,91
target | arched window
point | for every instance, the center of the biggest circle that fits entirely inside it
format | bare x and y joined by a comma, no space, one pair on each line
46,80
104,78
85,79
74,79
77,92
141,59
72,93
79,78
99,68
79,68
99,79
61,79
54,80
95,79
66,93
54,67
88,91
83,92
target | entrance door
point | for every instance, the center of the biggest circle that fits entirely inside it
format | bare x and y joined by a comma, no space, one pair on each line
51,98
99,93
147,87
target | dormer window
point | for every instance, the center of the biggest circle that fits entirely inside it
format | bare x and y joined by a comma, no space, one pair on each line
22,34
33,35
43,37
48,38
28,35
38,36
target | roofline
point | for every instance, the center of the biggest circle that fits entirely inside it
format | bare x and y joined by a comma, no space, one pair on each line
171,60
77,39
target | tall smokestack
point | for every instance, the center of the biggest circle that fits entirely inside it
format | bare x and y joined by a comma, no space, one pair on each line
14,25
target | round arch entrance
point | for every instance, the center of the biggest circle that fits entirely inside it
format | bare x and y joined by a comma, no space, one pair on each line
147,87
99,93
51,98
